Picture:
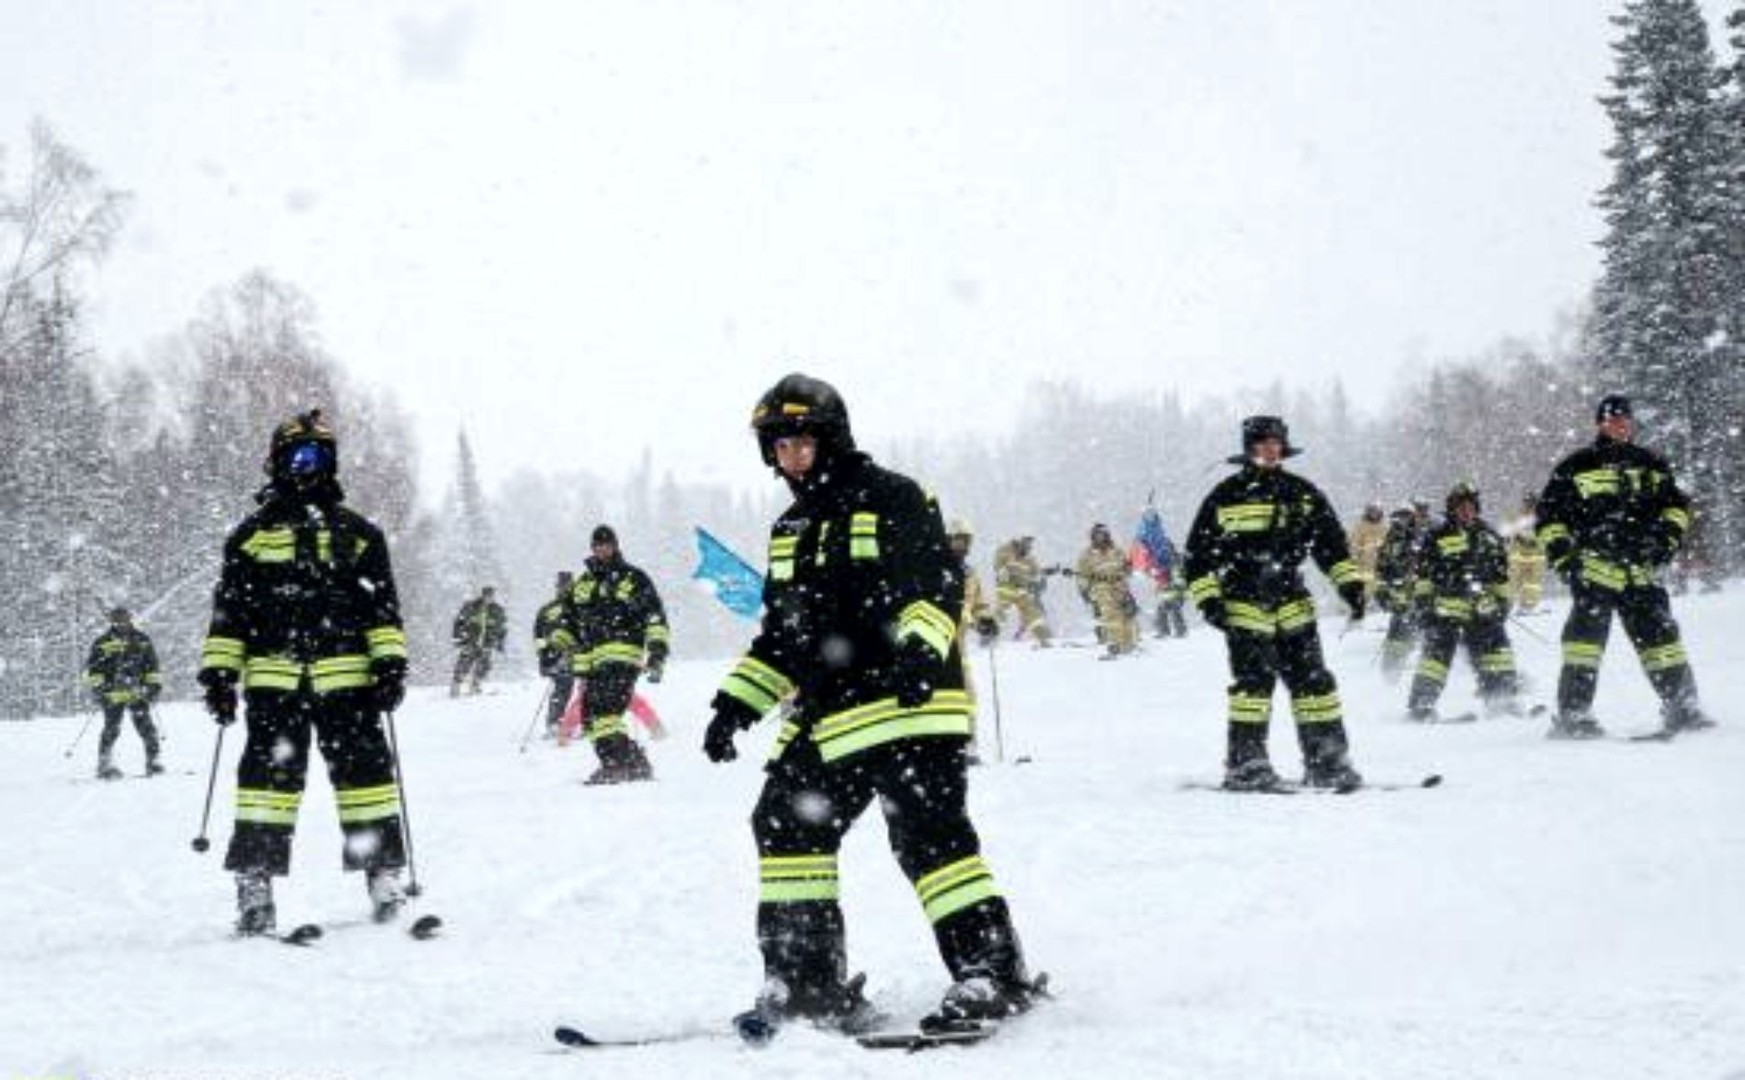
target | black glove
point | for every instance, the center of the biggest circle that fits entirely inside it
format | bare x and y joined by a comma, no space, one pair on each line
1352,594
1213,612
731,717
221,701
1570,571
913,672
988,628
152,693
390,686
654,670
1662,545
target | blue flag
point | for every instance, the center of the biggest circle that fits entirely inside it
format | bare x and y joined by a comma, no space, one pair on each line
733,580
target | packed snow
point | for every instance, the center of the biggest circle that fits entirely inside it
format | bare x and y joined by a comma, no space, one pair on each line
1552,910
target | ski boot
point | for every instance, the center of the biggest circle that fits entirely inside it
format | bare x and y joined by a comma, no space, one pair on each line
1421,714
977,1000
1684,717
254,904
1335,773
106,769
387,896
1575,726
154,767
842,1008
1255,774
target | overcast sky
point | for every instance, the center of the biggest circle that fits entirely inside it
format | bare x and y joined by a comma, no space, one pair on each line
584,228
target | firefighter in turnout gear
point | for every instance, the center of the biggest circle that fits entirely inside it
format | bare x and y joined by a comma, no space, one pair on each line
1250,536
1103,572
1463,583
861,606
1611,517
1365,540
306,618
1396,584
616,629
122,672
480,629
1526,557
976,615
1018,583
554,659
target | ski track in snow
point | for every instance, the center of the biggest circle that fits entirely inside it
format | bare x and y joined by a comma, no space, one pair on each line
1554,910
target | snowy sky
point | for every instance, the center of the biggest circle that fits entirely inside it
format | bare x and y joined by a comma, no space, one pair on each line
581,229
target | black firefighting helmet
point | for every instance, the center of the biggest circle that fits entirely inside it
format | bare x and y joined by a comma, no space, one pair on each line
1462,492
1255,429
802,405
120,616
303,447
1613,405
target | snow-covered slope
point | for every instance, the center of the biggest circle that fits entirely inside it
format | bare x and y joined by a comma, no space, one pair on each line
1554,910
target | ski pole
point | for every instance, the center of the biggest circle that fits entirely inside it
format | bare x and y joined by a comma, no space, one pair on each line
544,700
994,684
200,843
412,886
1532,633
80,737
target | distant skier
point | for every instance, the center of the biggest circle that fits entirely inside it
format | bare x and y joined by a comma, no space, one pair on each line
616,628
861,604
122,672
1611,517
307,618
976,614
1464,565
1156,556
1251,534
1018,584
480,629
1103,577
1396,583
1365,540
1526,557
554,659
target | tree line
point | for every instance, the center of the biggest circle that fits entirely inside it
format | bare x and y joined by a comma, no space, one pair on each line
117,484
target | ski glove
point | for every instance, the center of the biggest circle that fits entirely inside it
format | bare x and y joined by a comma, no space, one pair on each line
654,670
1213,612
988,629
1662,545
656,664
221,702
390,686
731,717
1352,594
914,672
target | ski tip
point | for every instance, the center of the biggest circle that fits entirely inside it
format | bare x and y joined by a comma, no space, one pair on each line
1433,780
755,1030
307,934
570,1036
425,927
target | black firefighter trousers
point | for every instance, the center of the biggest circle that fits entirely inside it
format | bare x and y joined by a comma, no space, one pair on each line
275,761
806,808
1646,613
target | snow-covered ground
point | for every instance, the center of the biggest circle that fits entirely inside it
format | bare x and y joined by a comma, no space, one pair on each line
1553,910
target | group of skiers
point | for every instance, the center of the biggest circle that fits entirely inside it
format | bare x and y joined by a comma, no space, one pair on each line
859,656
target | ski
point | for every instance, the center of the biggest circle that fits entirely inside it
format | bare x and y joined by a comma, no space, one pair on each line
423,928
916,1041
576,1039
1288,787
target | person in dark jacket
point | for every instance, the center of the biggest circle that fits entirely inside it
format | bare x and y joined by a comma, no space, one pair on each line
480,629
859,639
1463,569
1611,518
554,659
616,630
122,672
1396,583
306,618
1248,539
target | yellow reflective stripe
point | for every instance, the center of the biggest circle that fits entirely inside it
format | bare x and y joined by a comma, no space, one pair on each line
1581,654
1677,518
271,546
1344,571
121,697
1204,587
340,673
265,807
1453,544
613,652
657,631
604,727
947,712
386,641
925,620
1553,530
367,803
1499,662
1450,607
1433,670
1596,482
1241,615
1662,657
1249,708
789,879
222,653
757,684
788,733
951,888
863,535
271,673
1295,615
1604,574
781,569
93,679
1317,709
1246,517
